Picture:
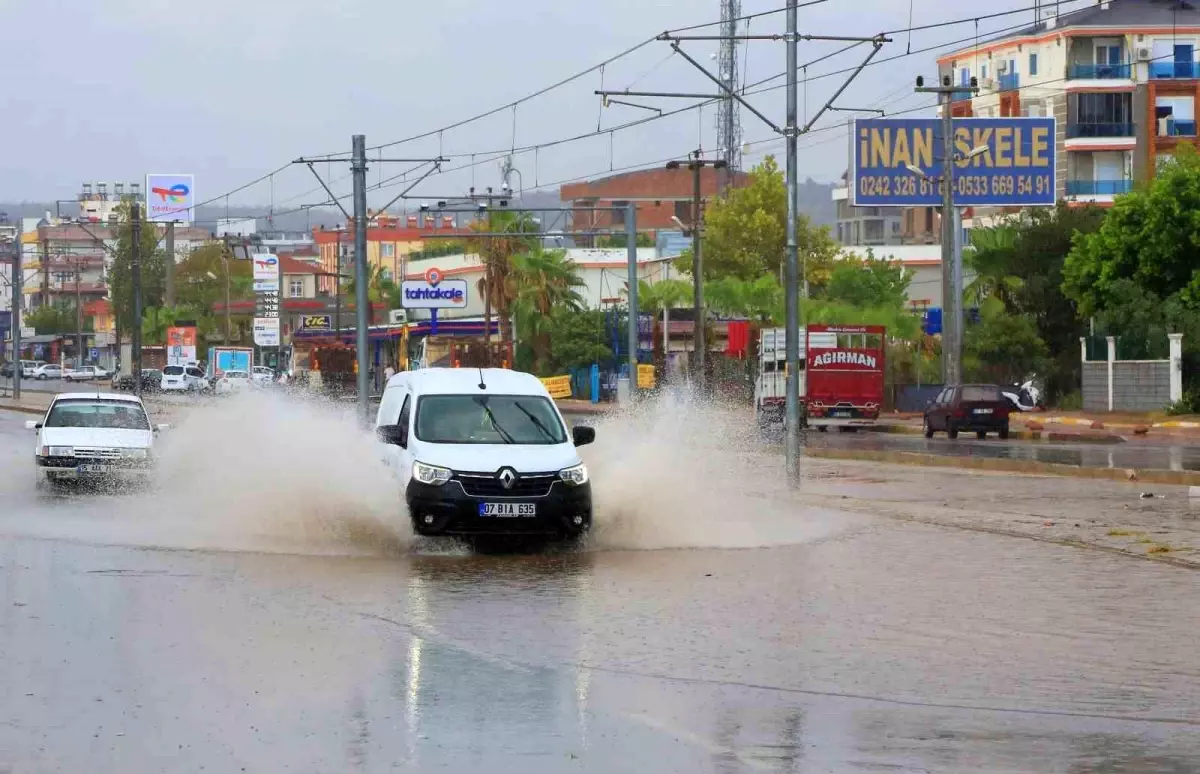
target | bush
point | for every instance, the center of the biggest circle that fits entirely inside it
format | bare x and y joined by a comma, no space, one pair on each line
1072,401
1189,404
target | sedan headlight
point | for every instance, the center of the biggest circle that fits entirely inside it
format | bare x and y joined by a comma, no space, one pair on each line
430,474
57,451
575,476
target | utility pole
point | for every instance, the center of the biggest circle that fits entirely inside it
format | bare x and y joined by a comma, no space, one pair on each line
337,286
729,130
358,166
135,218
78,315
631,252
169,293
791,336
952,290
18,279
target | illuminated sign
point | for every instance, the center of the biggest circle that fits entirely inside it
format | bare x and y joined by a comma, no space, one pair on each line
317,322
170,198
433,292
998,162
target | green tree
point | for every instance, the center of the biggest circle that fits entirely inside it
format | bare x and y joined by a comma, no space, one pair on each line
200,288
517,233
1002,347
153,267
664,294
619,241
990,258
155,322
545,280
745,233
577,339
1150,236
901,323
867,282
380,290
51,318
760,300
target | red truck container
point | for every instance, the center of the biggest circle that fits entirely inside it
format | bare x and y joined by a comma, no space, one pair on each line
844,367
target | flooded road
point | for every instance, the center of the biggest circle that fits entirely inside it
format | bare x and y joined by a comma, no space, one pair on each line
1088,455
259,627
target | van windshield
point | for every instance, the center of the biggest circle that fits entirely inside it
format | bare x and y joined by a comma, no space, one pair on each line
497,419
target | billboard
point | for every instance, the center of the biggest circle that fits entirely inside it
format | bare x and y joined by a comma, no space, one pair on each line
181,345
170,198
433,292
316,322
266,268
266,331
999,162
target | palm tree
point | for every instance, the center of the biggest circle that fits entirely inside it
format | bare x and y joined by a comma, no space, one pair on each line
990,257
497,286
545,281
379,288
664,294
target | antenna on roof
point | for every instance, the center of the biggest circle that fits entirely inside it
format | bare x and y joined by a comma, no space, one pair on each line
482,386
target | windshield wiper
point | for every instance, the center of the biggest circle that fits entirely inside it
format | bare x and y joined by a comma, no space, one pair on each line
536,422
487,411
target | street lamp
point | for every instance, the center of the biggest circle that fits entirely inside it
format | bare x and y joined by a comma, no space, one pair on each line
696,164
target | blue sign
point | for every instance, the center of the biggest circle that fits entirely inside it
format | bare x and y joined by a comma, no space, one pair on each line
94,354
998,162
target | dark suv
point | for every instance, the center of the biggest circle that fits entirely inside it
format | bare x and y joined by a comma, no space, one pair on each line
979,407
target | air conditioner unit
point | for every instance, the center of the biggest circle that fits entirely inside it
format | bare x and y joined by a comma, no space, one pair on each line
398,317
1144,54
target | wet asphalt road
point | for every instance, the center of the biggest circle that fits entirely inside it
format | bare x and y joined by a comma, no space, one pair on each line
1133,454
877,647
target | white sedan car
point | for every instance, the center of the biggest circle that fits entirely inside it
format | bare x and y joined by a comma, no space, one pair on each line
232,382
89,437
48,371
85,373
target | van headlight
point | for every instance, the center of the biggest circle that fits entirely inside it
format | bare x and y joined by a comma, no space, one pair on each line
135,454
575,476
57,451
430,474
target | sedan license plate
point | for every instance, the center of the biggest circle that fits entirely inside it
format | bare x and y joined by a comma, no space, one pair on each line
839,414
983,411
92,468
507,510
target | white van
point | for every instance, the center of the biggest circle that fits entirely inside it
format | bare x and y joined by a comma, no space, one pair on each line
484,451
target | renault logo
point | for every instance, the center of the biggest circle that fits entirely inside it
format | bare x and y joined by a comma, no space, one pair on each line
508,478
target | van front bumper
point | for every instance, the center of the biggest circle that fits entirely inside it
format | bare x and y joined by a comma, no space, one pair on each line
565,512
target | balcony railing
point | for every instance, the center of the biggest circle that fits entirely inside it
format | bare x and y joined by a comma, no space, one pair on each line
1098,187
1174,70
1174,128
1094,72
1009,81
1106,129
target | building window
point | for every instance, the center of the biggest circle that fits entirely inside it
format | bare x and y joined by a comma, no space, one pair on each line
1033,64
386,274
983,72
964,77
618,215
387,250
296,288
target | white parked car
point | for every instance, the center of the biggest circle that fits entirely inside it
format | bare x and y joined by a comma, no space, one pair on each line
29,367
484,451
177,378
232,381
84,373
91,437
263,375
48,371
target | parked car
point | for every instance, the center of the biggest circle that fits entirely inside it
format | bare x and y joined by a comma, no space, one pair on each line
28,367
263,375
151,381
6,369
84,373
86,437
978,407
48,371
232,382
177,378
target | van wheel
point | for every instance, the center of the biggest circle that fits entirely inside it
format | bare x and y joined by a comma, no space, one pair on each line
951,431
1004,433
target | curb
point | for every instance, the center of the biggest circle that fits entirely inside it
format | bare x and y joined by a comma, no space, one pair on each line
1015,435
1151,476
23,409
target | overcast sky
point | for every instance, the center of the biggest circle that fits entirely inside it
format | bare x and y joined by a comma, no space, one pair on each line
231,89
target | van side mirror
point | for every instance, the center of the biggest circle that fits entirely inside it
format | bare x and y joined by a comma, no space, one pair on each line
394,435
582,436
32,425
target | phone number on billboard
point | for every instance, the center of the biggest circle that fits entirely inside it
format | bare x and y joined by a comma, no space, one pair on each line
964,185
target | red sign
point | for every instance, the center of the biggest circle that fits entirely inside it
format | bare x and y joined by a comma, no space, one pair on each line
844,360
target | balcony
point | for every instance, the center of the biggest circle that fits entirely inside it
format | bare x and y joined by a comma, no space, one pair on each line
1098,187
1174,128
1100,72
1081,129
1008,81
1177,70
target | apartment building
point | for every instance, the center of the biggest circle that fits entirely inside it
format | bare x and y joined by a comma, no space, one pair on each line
1120,76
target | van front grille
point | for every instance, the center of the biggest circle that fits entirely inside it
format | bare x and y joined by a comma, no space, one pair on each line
490,485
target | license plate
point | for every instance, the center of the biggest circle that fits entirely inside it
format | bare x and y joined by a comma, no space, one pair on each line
507,510
92,468
846,414
983,411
